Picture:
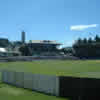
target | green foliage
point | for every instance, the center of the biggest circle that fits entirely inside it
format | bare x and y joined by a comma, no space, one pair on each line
25,50
90,40
97,39
79,41
87,48
67,50
85,41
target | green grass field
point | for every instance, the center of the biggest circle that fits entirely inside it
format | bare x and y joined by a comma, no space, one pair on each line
8,92
85,68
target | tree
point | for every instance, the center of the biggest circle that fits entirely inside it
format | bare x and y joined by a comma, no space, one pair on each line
97,38
89,49
90,40
67,50
84,41
25,50
79,41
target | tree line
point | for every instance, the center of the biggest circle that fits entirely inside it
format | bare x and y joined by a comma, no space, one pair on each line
87,47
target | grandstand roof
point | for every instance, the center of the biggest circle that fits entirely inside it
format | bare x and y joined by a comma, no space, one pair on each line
44,41
3,50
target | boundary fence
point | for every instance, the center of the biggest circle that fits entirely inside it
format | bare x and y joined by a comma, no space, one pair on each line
32,58
72,87
41,83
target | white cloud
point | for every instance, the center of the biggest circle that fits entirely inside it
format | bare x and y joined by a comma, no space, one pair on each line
82,27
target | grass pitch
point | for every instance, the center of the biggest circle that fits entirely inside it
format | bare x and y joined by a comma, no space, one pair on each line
8,92
79,68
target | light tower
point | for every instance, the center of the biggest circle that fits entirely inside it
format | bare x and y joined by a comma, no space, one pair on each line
23,37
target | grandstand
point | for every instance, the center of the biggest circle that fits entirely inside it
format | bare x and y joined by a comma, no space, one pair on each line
44,47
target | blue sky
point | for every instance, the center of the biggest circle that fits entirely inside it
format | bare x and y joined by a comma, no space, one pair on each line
49,19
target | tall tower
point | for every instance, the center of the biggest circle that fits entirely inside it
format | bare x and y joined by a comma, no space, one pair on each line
23,37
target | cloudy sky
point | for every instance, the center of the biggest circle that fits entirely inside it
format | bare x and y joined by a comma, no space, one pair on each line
62,20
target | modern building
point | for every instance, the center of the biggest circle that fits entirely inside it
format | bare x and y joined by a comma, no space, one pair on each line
6,48
23,37
4,52
44,47
4,42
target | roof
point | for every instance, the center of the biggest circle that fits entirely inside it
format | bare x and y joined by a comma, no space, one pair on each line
44,41
3,50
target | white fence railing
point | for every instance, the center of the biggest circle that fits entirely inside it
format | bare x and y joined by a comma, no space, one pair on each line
41,83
